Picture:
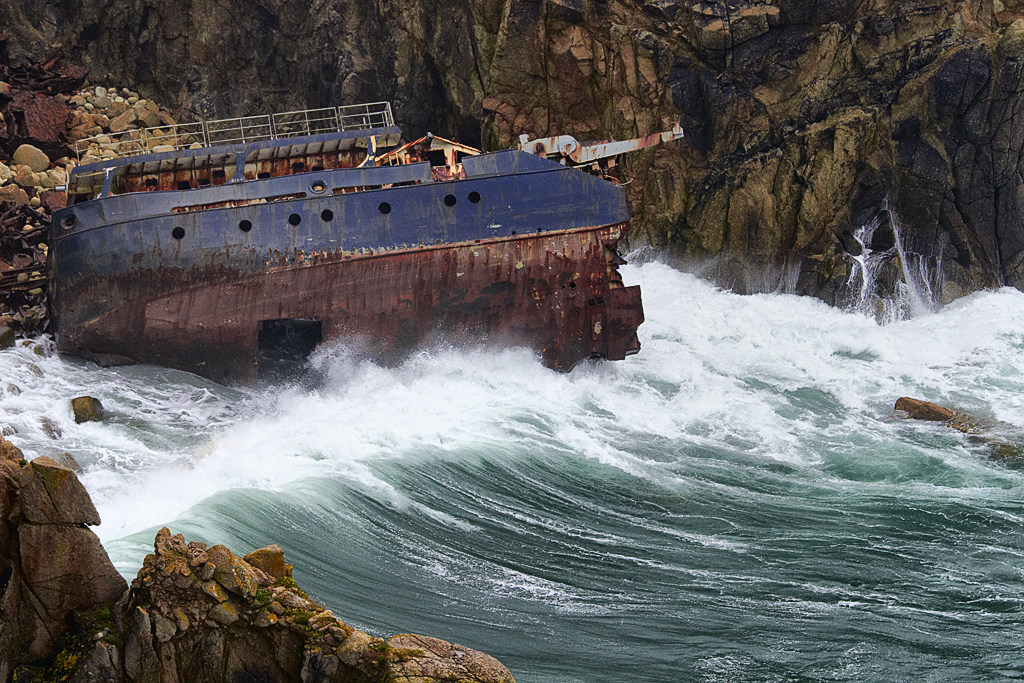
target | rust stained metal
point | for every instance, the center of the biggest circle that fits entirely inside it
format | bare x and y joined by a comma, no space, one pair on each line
558,293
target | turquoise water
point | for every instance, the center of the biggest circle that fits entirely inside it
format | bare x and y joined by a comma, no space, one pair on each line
732,504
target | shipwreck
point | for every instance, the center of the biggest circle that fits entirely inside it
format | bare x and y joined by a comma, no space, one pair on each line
210,247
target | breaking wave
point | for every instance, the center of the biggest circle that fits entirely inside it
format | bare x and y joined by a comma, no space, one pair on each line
729,504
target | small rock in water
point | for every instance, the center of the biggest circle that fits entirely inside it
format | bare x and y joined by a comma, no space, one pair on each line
87,409
50,427
6,337
1005,439
67,460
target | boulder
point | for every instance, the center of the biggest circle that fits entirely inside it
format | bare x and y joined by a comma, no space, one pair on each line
412,658
6,333
13,193
1005,440
271,560
67,569
52,494
232,572
923,410
87,409
33,157
120,123
52,569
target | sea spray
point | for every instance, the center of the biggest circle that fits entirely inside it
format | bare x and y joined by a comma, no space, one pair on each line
890,282
730,503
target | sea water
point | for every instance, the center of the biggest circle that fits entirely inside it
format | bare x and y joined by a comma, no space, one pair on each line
733,503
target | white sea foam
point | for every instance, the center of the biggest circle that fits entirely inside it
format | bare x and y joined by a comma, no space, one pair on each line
770,377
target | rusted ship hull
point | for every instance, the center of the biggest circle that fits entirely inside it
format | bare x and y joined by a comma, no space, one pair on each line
558,293
203,256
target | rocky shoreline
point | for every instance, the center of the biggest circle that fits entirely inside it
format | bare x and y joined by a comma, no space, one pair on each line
49,124
194,613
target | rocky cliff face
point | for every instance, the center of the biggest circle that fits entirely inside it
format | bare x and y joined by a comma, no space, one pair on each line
805,118
51,565
193,613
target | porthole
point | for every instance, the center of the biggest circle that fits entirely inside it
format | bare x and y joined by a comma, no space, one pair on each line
69,221
245,226
327,215
178,233
295,219
385,208
317,187
449,199
474,197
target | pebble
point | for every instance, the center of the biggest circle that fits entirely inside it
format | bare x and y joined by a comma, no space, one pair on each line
100,91
89,106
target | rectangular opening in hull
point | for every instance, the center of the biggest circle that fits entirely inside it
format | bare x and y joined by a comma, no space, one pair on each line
285,345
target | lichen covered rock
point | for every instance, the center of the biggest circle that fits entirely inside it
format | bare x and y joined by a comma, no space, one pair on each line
241,619
51,565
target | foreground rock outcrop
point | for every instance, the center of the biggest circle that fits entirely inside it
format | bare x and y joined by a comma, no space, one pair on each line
51,565
194,613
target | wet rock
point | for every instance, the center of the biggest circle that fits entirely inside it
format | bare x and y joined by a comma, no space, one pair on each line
87,409
6,336
50,428
923,410
1006,440
68,461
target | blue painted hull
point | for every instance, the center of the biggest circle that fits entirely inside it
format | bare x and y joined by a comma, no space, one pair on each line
210,259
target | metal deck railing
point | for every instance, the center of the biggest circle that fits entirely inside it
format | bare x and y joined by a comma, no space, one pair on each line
240,130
